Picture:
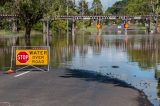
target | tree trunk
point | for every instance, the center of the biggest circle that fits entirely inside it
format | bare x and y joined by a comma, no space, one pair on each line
156,26
27,35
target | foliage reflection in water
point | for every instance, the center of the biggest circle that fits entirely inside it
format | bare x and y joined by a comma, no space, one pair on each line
137,57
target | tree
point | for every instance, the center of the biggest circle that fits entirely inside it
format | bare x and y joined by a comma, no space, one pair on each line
2,2
83,8
5,6
97,7
72,7
139,7
59,7
134,7
30,12
118,8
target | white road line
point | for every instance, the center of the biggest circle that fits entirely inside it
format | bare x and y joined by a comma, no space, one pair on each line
21,74
5,104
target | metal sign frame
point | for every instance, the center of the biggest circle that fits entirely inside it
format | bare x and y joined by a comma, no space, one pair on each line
13,57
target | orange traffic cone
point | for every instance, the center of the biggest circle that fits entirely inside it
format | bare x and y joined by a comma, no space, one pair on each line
10,71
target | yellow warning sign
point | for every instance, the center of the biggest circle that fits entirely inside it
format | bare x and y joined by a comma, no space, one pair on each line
126,25
98,26
32,57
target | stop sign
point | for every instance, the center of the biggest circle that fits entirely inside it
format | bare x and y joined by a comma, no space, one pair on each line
22,57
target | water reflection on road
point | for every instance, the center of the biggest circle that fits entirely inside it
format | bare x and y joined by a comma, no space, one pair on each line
132,58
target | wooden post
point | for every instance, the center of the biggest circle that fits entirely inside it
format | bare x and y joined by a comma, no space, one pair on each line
73,27
47,37
126,26
156,24
73,31
44,32
149,23
14,25
148,26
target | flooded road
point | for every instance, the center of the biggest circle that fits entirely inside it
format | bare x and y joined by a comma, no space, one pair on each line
132,58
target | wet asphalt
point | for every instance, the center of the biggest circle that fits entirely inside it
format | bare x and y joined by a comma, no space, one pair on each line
64,87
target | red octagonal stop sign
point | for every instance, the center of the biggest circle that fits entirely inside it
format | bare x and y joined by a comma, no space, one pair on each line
22,57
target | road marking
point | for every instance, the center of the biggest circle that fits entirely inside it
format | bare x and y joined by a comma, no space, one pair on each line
21,74
5,103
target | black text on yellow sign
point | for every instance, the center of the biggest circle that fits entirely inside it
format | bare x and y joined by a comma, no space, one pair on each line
32,57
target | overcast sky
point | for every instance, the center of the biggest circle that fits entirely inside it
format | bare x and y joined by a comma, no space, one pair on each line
105,3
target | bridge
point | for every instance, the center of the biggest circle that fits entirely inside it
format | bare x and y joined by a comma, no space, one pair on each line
124,18
4,16
73,19
109,17
12,19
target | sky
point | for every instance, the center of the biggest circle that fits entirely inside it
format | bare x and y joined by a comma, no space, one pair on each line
105,3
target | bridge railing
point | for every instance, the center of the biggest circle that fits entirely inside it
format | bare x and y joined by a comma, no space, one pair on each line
111,17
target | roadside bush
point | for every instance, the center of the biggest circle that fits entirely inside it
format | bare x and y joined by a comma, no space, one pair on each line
38,26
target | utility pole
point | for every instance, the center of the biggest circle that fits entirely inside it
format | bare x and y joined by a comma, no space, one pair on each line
157,15
67,33
96,9
48,32
74,2
67,22
155,10
83,15
83,12
82,7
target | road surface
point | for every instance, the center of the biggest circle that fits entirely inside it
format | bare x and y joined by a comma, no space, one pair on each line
62,87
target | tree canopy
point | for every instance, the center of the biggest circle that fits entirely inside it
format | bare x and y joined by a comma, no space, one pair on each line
97,7
30,12
2,2
118,8
83,8
135,7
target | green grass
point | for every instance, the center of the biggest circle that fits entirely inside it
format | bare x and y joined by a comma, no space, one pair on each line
6,32
20,33
91,29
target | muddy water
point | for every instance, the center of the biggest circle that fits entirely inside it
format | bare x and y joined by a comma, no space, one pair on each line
133,58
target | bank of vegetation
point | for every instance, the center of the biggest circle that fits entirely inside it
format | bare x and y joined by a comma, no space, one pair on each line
136,7
30,13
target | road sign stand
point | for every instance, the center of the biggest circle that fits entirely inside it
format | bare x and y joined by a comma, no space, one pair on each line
11,66
27,66
31,66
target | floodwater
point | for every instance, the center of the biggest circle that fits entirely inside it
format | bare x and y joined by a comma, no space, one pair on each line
133,57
